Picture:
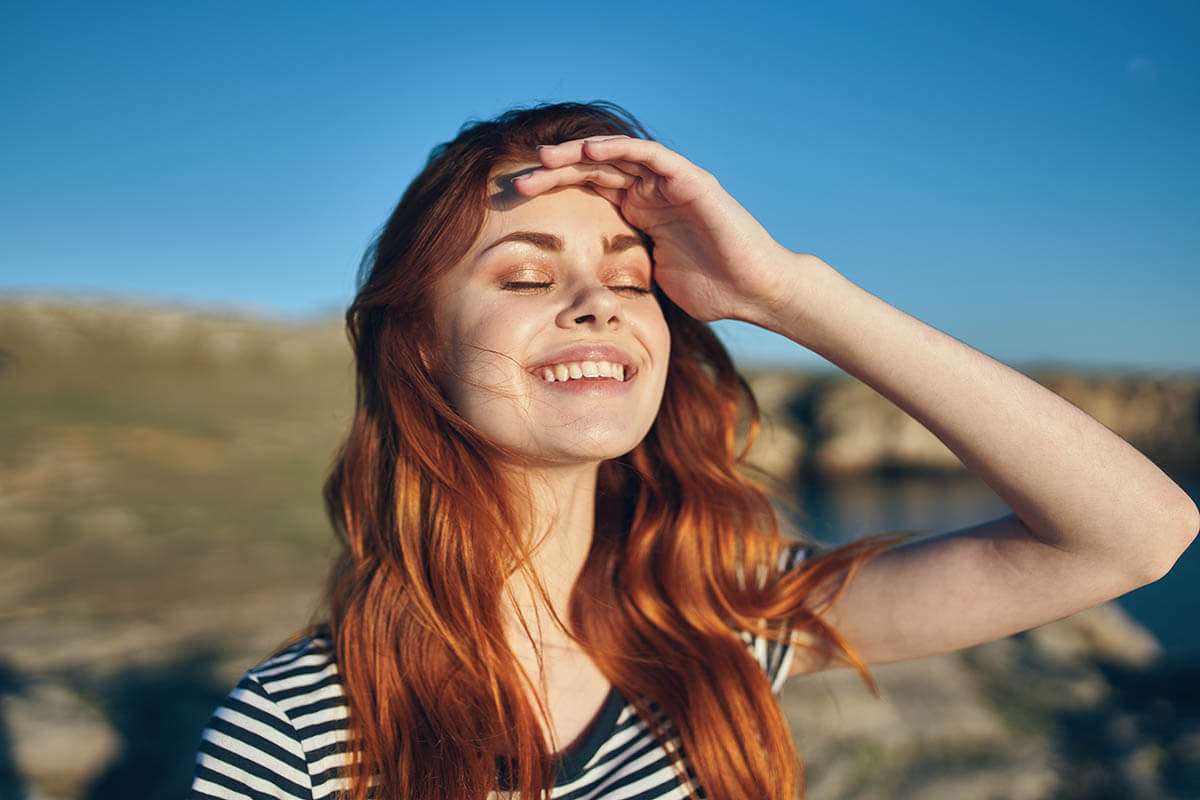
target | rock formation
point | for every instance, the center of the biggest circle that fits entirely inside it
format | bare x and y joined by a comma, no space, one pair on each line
825,426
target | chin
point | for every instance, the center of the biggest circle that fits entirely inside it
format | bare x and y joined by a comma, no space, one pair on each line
595,447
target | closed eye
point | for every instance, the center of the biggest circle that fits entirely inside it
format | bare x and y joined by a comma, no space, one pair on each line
526,287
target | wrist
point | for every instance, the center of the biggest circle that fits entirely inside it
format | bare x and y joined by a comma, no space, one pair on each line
803,282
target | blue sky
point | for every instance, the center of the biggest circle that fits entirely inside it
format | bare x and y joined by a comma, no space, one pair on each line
1025,176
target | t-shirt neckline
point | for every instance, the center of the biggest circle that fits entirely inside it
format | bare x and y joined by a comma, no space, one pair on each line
577,756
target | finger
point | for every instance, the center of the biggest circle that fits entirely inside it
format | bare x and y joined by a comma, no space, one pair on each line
651,155
636,170
597,175
573,153
568,152
576,150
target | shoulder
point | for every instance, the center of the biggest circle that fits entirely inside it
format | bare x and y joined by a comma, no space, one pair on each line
281,732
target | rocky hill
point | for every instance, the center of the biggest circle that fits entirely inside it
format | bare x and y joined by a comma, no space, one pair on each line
828,426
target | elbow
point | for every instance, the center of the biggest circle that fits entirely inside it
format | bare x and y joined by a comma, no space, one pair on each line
1173,533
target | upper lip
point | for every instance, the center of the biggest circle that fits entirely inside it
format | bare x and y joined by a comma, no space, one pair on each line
587,352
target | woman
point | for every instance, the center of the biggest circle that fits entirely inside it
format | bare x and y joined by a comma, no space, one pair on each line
553,573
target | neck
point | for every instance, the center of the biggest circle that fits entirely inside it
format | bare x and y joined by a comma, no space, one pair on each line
561,525
565,683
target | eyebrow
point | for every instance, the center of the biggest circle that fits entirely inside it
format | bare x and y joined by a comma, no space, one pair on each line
622,242
554,244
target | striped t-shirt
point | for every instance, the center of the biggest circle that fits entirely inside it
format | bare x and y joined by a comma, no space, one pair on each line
281,734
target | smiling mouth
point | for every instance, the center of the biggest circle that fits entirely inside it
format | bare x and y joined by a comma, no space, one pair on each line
584,370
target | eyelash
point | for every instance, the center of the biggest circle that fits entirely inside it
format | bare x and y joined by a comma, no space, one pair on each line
531,287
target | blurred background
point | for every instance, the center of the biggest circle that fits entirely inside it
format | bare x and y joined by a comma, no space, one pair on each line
185,192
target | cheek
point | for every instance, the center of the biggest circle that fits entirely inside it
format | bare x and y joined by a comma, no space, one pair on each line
656,335
494,332
658,341
483,354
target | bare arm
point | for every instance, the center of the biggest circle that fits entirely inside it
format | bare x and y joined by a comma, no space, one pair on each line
1093,517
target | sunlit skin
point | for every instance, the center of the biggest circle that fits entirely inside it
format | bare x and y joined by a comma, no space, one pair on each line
554,280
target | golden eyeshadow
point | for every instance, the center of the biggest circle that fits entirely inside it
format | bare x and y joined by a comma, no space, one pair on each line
627,277
526,275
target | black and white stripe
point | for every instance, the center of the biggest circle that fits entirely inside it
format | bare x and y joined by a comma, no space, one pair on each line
282,733
278,733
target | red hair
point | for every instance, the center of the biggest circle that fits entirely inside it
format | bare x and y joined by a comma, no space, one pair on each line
431,535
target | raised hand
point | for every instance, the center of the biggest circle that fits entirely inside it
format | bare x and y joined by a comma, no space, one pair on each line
712,258
1093,518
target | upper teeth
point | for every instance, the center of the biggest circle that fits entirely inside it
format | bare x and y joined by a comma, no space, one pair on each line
574,370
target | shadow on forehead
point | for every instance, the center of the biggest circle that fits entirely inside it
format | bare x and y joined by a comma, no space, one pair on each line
504,195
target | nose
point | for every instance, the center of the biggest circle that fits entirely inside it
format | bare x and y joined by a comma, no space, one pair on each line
593,305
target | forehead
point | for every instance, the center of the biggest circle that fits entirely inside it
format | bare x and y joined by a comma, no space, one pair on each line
572,211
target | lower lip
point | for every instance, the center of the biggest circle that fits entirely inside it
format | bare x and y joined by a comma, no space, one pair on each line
591,387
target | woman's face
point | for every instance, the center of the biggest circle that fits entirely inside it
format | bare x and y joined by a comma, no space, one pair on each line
552,342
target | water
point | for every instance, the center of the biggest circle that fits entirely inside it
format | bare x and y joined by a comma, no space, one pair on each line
1169,608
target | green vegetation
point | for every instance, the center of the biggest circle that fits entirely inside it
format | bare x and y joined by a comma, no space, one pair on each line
149,457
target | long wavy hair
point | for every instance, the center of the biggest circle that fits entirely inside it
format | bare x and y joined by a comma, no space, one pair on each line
686,551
